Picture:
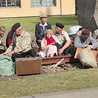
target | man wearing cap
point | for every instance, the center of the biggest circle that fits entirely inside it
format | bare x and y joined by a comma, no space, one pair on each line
41,28
62,40
21,43
85,40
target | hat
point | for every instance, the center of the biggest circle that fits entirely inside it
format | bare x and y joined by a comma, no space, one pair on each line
86,33
59,25
74,29
43,16
49,31
15,27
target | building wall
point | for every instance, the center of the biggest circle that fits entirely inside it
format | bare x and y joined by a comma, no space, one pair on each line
63,7
68,7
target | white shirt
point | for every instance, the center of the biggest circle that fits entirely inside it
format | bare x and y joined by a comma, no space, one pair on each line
60,38
43,26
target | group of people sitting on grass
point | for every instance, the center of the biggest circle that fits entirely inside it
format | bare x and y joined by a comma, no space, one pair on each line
59,42
18,41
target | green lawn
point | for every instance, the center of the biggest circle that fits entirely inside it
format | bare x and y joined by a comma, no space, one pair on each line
67,80
29,23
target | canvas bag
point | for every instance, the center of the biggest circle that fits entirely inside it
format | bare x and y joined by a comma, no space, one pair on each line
87,58
7,67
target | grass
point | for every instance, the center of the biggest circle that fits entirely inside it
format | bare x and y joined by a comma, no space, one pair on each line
67,80
28,23
37,84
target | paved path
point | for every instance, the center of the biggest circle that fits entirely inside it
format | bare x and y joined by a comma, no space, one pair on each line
82,93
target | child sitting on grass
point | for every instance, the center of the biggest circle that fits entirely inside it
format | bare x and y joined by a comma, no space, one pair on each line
48,45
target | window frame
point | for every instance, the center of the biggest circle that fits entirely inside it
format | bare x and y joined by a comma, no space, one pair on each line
10,3
42,3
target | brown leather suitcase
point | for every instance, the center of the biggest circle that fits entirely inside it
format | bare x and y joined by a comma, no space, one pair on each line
28,66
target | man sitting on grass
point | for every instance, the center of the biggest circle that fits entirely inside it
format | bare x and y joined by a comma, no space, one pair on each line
85,40
21,43
62,39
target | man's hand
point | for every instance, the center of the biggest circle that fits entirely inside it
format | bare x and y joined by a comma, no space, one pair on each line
4,53
8,53
61,51
89,46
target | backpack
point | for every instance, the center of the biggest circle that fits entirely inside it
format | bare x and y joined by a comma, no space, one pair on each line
7,67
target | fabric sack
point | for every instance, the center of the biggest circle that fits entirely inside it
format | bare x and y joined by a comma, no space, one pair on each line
87,58
7,67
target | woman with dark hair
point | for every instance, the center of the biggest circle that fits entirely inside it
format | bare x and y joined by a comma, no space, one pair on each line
9,38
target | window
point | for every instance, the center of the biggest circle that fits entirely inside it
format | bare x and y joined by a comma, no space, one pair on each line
9,3
43,3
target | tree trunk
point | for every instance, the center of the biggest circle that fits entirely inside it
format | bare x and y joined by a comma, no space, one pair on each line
88,13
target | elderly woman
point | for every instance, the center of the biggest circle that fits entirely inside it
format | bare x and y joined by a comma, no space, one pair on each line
2,37
2,32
